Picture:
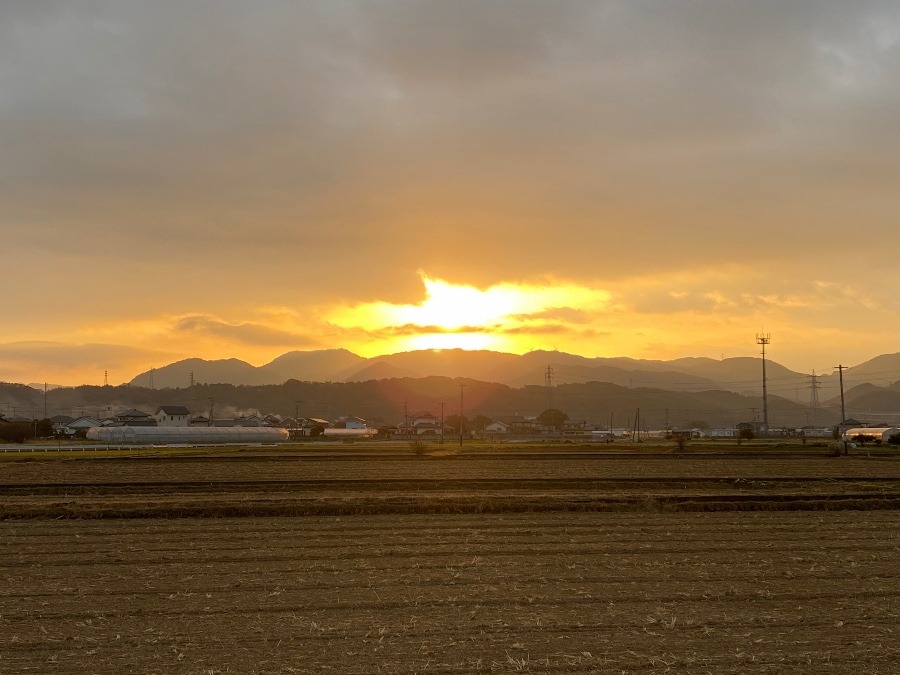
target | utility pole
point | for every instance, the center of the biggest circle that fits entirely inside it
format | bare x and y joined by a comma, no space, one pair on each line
45,400
151,377
763,340
105,378
211,404
461,388
192,379
405,419
548,382
442,422
840,370
637,425
843,411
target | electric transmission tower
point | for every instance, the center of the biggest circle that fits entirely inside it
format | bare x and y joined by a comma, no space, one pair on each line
763,340
814,397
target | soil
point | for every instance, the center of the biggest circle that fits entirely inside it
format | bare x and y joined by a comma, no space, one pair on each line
545,583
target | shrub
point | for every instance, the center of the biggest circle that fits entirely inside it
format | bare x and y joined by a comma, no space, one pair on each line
745,435
418,447
894,439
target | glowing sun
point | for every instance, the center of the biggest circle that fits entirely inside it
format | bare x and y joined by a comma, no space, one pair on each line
458,316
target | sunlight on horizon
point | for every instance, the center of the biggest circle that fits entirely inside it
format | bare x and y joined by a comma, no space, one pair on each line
460,316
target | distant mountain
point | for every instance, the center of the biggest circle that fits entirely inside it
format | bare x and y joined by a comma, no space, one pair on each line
883,370
231,371
379,370
476,364
742,375
323,365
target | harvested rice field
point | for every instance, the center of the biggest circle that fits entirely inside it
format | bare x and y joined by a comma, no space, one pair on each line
546,578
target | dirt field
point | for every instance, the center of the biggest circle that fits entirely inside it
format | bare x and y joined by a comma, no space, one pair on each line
265,485
647,588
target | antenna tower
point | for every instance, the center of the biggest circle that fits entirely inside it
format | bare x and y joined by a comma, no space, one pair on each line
105,378
763,340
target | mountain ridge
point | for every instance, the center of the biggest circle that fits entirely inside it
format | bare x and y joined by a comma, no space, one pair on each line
742,374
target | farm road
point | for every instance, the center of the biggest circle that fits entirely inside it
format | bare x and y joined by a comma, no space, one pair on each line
772,592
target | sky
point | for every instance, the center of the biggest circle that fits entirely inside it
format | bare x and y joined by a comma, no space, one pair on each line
223,179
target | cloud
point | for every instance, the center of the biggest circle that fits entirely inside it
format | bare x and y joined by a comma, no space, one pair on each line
201,159
62,363
242,333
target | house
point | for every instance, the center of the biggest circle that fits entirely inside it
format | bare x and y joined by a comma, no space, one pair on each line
60,422
249,421
351,422
313,426
135,418
497,428
422,423
521,425
172,416
80,426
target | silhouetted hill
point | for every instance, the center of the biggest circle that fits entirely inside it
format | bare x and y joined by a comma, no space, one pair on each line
447,362
232,371
323,365
379,370
739,374
386,401
882,370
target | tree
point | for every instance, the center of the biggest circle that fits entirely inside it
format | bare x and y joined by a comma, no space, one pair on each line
452,424
745,434
553,417
480,422
14,432
44,428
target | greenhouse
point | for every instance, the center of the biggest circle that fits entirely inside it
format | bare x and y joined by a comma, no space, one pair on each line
187,435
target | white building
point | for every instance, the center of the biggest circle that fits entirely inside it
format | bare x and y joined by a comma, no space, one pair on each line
172,416
497,428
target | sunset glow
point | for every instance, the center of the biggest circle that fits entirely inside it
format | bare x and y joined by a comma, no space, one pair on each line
503,317
600,178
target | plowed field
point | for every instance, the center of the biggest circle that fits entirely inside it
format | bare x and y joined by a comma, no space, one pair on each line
643,589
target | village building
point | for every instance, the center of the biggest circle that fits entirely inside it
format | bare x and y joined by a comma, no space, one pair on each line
134,418
420,424
172,416
497,427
